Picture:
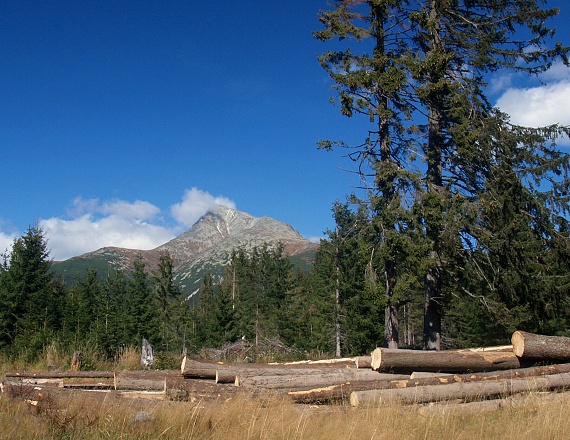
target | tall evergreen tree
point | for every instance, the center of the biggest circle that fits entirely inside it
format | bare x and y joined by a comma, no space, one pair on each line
457,44
374,83
82,318
142,318
428,60
168,296
33,297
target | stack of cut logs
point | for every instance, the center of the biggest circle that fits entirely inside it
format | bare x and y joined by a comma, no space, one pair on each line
531,363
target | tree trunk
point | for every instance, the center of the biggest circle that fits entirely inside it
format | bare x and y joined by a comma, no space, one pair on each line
333,363
338,392
458,390
433,298
140,381
364,362
209,370
540,347
76,361
296,381
61,374
451,361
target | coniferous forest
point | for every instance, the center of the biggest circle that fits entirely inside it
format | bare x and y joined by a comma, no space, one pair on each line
457,235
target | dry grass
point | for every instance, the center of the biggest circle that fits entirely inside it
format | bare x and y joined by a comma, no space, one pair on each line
78,417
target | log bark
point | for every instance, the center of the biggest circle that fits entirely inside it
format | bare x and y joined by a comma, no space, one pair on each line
463,391
54,382
338,392
194,369
140,380
451,361
506,348
333,363
364,362
342,391
60,374
303,381
225,376
540,347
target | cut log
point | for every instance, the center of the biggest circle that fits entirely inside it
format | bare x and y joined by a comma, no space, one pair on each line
519,373
61,374
364,362
334,363
540,347
140,381
225,376
507,348
451,361
338,392
146,395
54,382
463,391
342,391
425,374
304,381
194,369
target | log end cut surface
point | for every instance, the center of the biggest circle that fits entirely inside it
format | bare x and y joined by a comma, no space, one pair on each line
518,343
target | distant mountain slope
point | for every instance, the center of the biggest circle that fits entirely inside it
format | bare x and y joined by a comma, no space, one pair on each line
206,246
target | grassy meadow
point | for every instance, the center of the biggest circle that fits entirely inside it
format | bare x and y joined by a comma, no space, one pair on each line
87,415
273,418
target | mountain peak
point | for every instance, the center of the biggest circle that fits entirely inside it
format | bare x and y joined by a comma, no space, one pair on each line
208,246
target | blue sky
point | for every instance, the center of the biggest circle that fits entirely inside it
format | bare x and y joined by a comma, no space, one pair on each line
122,122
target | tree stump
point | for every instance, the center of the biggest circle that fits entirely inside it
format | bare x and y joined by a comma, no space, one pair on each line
76,361
147,357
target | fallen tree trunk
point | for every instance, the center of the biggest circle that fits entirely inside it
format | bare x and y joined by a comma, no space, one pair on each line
342,391
333,363
459,390
61,374
505,348
223,372
451,361
540,347
303,381
337,392
13,381
142,380
519,373
364,362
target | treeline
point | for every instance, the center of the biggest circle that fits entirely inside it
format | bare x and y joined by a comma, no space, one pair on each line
37,308
336,308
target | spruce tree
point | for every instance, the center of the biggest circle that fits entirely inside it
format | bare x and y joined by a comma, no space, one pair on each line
33,297
457,44
428,61
168,297
373,81
142,313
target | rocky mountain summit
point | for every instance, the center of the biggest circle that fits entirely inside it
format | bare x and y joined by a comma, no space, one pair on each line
206,246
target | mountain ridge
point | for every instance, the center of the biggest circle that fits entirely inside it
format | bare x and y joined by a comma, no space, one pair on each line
205,247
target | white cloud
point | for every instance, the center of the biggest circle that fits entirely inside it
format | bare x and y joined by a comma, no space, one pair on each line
499,83
68,238
195,203
6,241
91,224
557,72
541,105
538,106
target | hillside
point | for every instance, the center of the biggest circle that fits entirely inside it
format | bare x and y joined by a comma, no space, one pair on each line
206,246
